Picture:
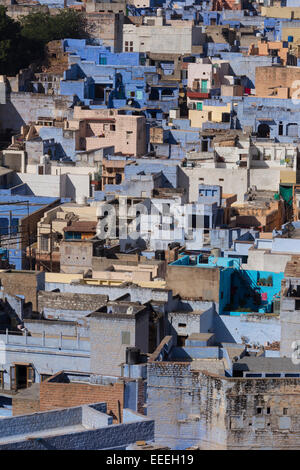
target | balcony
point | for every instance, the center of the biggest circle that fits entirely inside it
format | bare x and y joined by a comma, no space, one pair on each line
201,94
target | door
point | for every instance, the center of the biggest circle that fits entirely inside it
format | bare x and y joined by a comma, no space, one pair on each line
13,382
21,376
30,376
204,86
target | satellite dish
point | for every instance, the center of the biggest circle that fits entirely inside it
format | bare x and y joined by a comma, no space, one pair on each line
129,311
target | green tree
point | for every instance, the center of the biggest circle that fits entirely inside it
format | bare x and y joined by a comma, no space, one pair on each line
43,27
22,43
9,41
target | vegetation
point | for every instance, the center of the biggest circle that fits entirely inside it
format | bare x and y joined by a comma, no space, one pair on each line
265,281
22,43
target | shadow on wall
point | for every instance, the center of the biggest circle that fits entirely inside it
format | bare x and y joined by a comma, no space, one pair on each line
183,182
221,331
10,117
69,188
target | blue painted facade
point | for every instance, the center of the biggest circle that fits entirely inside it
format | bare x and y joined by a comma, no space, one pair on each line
252,290
102,79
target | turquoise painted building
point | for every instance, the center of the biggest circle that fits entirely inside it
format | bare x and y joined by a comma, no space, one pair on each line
240,291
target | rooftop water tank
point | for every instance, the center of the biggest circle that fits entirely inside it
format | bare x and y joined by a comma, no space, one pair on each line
81,200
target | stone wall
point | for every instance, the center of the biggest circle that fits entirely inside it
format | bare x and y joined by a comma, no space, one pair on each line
60,301
215,412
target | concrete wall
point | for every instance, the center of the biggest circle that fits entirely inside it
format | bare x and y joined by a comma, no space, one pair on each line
290,324
265,261
47,355
107,350
189,179
65,185
195,322
22,108
194,282
250,329
25,283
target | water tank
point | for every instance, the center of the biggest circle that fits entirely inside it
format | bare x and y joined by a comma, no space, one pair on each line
81,200
132,356
159,12
99,251
160,255
44,159
216,252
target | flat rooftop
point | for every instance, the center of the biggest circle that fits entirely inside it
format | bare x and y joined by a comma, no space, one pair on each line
266,365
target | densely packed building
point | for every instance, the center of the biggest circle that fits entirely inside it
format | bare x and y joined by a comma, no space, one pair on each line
150,229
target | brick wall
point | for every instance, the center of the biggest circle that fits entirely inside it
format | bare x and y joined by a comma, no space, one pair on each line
141,397
63,395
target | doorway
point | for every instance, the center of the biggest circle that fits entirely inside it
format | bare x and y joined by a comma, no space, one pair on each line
263,131
21,376
181,339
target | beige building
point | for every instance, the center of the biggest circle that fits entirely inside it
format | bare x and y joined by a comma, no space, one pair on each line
50,232
277,82
106,25
157,37
98,128
239,166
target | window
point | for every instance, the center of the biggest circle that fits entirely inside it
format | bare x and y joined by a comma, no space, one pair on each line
125,335
259,410
221,179
199,106
268,410
225,117
285,411
182,325
1,379
181,340
44,243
